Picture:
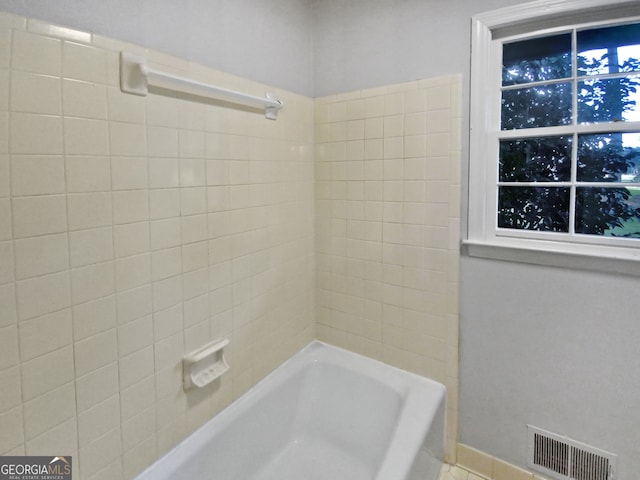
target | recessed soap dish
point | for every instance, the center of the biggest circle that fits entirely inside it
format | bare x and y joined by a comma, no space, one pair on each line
204,365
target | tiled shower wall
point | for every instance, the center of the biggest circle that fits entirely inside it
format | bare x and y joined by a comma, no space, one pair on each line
132,230
387,227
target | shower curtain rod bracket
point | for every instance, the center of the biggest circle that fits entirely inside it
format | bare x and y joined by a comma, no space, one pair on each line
136,77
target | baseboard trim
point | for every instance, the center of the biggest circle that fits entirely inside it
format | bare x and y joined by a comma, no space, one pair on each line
490,467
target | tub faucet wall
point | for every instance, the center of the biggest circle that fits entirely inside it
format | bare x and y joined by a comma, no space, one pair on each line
132,230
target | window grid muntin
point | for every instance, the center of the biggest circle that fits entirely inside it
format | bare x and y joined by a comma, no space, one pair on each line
574,129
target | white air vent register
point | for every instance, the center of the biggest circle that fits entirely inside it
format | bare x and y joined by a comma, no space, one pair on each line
566,459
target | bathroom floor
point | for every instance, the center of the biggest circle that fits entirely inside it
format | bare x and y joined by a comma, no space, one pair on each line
452,472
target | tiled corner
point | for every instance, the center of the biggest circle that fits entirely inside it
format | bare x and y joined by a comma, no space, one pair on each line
386,257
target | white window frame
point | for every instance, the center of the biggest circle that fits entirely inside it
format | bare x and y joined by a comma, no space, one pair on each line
483,239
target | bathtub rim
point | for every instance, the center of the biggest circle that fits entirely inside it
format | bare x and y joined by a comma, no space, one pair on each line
423,398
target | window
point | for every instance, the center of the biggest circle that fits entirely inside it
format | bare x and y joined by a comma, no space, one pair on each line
555,139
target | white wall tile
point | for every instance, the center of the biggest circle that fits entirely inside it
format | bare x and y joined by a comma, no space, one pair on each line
111,471
134,303
167,322
36,134
6,263
191,144
166,293
39,215
11,429
163,172
4,132
125,108
37,175
218,172
46,411
130,206
100,453
217,198
132,272
135,335
94,317
193,200
164,203
95,352
92,282
45,334
127,139
6,230
9,346
84,136
196,310
194,228
165,233
89,210
136,366
47,372
43,28
131,239
144,453
166,263
195,256
63,436
138,397
88,174
35,53
10,395
83,62
169,351
98,420
8,310
5,180
84,99
192,172
96,387
91,246
137,429
33,93
41,295
162,111
4,89
37,256
129,173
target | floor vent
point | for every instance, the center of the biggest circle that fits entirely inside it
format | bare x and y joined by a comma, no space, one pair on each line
566,459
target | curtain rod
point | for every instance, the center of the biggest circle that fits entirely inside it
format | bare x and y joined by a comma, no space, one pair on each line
136,77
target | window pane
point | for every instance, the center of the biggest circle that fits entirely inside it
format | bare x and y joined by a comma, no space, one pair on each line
539,59
609,157
613,212
542,159
609,50
609,100
541,106
534,208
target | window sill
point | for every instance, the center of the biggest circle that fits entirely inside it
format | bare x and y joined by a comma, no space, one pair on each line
618,260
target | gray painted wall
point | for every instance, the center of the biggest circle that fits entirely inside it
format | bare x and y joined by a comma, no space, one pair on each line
556,348
266,41
369,43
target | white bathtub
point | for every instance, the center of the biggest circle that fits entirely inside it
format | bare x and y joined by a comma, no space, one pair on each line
325,414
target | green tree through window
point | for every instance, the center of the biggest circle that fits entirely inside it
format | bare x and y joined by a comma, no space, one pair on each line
538,187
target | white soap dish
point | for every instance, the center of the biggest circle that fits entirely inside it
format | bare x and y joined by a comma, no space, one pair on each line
204,365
